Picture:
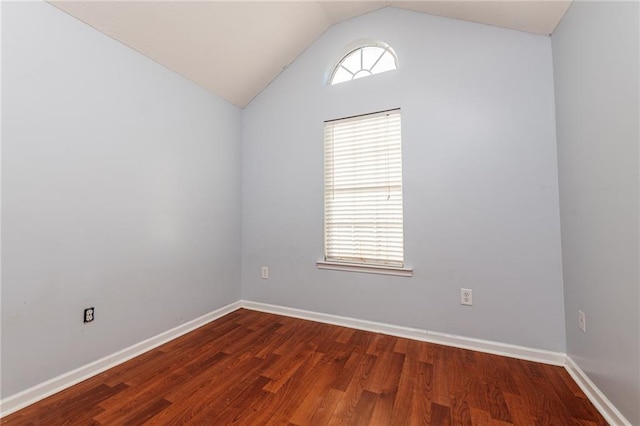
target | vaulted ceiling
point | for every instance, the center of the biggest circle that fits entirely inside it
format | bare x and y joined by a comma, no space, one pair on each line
236,48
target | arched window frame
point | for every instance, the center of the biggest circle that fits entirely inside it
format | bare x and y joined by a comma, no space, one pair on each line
335,65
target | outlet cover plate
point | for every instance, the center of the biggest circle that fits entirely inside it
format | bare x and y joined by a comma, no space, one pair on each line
466,296
582,321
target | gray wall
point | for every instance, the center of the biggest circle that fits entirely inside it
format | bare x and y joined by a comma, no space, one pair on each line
595,54
121,190
480,181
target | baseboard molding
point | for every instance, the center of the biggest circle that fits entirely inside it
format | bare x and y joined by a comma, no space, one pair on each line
597,398
36,393
497,348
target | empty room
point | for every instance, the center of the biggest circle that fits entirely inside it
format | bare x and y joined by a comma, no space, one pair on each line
320,213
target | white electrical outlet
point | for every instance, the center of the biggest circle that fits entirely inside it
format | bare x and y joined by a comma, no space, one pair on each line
466,296
265,272
582,321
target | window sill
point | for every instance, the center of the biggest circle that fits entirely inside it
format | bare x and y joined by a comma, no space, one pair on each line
367,269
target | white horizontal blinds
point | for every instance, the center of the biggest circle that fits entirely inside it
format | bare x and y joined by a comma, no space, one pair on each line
363,190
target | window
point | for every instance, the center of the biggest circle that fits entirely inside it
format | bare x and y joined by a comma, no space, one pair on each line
363,62
363,191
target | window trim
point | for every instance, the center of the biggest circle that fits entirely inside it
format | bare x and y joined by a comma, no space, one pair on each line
405,271
348,49
352,265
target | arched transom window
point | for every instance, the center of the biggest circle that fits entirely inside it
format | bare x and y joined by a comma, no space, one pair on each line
363,62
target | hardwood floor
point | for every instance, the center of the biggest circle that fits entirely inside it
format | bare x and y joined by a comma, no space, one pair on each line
252,368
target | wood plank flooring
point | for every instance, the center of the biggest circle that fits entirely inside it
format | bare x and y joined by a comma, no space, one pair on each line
252,368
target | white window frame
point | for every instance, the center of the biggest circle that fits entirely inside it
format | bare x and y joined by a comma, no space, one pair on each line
361,69
363,211
350,48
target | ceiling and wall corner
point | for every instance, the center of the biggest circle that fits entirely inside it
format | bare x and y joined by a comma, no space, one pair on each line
236,48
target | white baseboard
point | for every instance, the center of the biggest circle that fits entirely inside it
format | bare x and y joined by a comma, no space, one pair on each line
36,393
497,348
597,398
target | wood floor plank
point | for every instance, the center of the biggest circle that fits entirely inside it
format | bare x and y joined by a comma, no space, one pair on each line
363,411
441,381
130,368
403,408
190,401
312,382
328,370
252,368
157,386
323,410
345,335
480,417
440,415
401,346
249,401
383,410
344,409
385,373
520,414
286,371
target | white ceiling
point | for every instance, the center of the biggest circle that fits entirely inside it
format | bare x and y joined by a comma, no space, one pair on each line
236,48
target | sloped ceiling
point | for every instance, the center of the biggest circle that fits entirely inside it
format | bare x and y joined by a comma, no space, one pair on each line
236,48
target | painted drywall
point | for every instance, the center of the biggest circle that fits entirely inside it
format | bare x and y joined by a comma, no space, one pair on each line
595,55
480,181
121,190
